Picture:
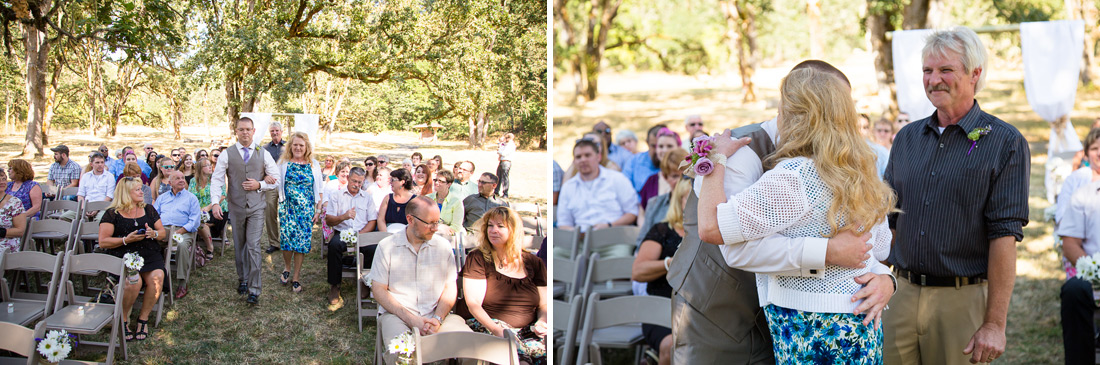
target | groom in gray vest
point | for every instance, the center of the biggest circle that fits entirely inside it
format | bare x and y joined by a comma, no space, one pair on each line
250,170
716,313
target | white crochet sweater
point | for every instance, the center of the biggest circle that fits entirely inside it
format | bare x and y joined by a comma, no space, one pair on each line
792,200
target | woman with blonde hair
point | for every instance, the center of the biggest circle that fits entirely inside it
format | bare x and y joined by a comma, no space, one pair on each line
651,264
131,225
819,181
505,287
300,196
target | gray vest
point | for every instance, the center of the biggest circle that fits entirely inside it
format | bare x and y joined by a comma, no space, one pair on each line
699,273
237,172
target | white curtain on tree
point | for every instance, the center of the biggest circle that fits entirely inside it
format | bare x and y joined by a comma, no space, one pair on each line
308,124
1052,63
261,121
908,74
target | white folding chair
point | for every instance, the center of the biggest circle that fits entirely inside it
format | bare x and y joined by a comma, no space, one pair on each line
96,316
20,341
624,315
567,317
466,345
52,209
611,242
28,306
45,232
566,243
567,276
365,305
608,277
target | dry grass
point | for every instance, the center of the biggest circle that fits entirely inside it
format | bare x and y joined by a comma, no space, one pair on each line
636,101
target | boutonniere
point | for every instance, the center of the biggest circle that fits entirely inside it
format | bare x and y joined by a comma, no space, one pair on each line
976,134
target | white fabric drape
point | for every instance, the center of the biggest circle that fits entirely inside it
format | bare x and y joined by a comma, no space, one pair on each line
908,74
1052,62
261,121
308,124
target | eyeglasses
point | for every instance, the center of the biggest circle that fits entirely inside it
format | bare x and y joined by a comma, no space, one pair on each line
604,131
695,124
432,225
441,181
483,182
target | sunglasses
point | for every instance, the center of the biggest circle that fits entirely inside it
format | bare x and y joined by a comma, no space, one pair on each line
175,155
170,167
368,164
696,124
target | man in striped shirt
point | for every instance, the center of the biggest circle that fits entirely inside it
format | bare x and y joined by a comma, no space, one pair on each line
961,177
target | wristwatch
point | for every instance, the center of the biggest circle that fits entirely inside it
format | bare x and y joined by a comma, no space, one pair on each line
436,317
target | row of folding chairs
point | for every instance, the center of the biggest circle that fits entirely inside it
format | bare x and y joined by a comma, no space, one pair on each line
584,325
616,241
61,307
578,266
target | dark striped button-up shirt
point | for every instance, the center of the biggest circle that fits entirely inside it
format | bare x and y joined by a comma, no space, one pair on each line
955,195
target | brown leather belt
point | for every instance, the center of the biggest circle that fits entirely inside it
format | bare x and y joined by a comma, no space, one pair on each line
928,280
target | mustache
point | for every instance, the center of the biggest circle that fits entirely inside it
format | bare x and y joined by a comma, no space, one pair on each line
940,87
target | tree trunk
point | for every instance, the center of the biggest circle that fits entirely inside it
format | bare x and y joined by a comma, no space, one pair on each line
602,13
1087,11
813,14
741,18
233,104
878,23
37,59
916,15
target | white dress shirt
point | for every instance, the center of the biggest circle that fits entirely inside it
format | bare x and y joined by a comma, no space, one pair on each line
217,181
96,188
774,254
602,200
365,209
377,193
1082,218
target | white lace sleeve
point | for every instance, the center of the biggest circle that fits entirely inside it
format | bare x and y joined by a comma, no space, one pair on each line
773,203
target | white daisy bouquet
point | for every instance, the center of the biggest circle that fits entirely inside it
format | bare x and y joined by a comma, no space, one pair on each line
56,346
133,262
403,347
349,237
177,237
205,217
1088,269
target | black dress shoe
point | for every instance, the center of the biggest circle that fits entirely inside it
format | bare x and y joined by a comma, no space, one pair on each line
271,249
243,288
253,299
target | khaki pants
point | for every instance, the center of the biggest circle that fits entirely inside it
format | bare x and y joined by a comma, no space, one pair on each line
184,256
392,326
932,325
271,217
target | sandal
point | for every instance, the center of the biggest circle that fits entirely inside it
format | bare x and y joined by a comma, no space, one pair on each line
297,287
127,334
143,330
285,277
209,255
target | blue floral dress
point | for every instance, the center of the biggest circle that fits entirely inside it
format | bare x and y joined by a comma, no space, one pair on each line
800,337
296,210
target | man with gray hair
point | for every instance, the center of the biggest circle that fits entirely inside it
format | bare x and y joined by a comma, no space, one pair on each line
349,209
961,176
271,197
692,124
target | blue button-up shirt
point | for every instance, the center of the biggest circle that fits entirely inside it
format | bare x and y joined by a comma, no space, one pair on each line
116,166
639,169
180,209
619,155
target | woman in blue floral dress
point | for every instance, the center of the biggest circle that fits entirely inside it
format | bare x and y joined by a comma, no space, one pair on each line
299,200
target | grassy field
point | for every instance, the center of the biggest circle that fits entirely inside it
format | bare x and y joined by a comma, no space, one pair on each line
214,325
636,101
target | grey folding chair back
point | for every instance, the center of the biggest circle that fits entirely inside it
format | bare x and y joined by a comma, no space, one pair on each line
28,306
86,232
611,242
365,305
567,317
628,310
466,345
96,206
609,277
52,209
96,316
568,274
20,341
69,191
44,232
566,243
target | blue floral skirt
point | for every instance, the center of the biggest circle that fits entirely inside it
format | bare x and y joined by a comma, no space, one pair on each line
822,338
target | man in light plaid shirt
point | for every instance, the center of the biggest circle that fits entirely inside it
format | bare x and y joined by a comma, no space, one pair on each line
413,277
64,172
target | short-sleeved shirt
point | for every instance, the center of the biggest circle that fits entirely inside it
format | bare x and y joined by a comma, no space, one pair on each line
602,200
96,188
363,203
415,279
62,176
514,301
1082,217
149,249
476,205
669,241
956,194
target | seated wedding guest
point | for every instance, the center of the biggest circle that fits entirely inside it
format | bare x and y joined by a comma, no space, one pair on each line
644,164
331,188
164,165
505,287
97,185
151,160
350,210
383,160
628,141
1079,228
380,188
370,164
413,277
557,181
127,158
131,225
604,161
651,265
23,186
450,206
655,208
187,167
13,217
882,155
391,212
668,144
407,164
435,163
692,124
200,155
616,153
884,133
64,172
463,185
597,197
422,180
132,170
329,168
416,158
179,207
474,206
200,186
